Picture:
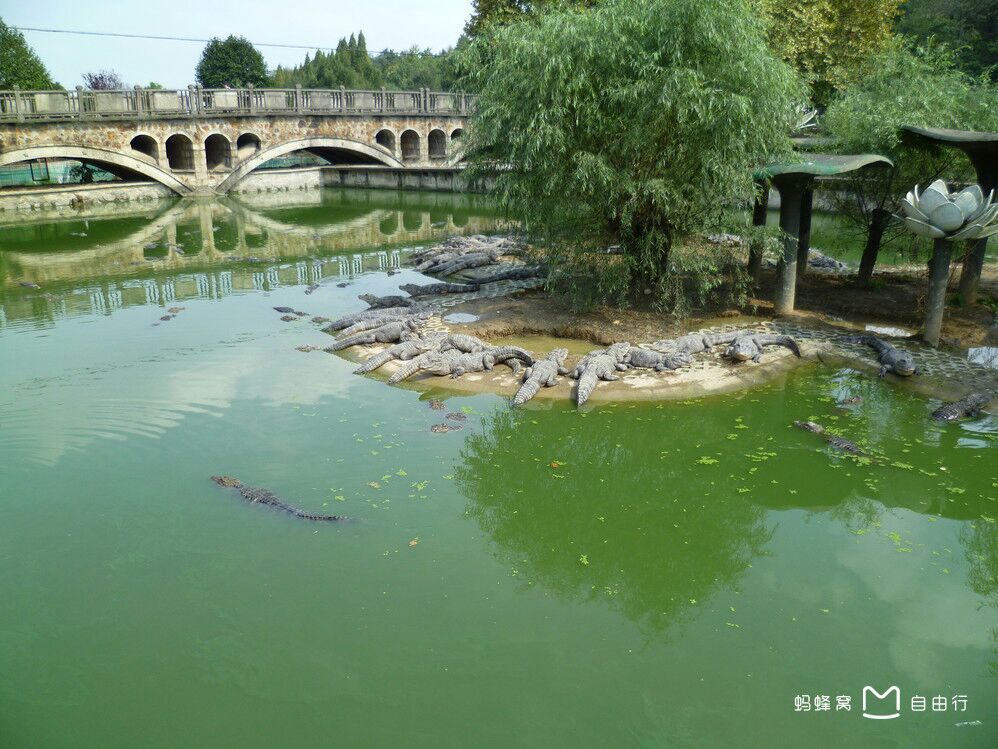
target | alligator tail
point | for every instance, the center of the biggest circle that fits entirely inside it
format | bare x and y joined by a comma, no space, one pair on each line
587,383
374,362
502,353
300,513
788,342
406,370
527,391
347,342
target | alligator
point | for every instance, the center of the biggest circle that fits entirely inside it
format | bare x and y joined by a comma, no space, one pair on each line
402,352
254,495
285,310
843,444
543,373
456,363
377,322
462,342
464,262
618,351
392,332
596,366
512,273
429,289
694,343
969,405
380,302
368,314
642,357
750,346
891,359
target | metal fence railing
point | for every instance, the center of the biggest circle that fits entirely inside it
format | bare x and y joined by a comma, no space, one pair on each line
194,101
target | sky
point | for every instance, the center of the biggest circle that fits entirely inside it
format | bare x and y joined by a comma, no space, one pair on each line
395,24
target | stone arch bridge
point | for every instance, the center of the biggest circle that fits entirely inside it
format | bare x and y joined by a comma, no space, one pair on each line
202,141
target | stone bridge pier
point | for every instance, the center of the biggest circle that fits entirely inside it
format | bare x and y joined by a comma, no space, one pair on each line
207,141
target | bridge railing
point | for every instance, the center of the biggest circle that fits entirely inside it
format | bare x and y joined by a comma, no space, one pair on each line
142,103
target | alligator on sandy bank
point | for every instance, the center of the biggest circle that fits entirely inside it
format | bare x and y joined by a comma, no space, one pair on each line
599,365
430,289
648,359
392,332
362,326
262,496
542,373
380,302
750,346
456,363
843,444
402,351
969,405
891,358
385,314
463,342
694,343
512,273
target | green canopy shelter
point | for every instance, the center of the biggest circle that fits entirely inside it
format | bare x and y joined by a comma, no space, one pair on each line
795,182
982,150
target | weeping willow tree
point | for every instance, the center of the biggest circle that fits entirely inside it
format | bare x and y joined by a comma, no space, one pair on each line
630,124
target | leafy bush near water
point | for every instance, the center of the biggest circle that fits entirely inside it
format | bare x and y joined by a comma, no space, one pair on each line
634,124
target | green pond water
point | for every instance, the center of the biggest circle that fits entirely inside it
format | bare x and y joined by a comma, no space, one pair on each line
648,575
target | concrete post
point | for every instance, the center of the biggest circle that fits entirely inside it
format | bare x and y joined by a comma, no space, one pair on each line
343,99
804,235
938,278
383,99
791,191
760,210
81,103
252,99
299,101
973,266
138,101
18,107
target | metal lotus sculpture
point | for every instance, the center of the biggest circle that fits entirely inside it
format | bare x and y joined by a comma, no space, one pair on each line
954,216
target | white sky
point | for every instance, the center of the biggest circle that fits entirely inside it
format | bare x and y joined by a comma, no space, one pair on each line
396,24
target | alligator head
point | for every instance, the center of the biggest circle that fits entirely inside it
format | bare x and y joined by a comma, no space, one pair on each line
741,349
904,364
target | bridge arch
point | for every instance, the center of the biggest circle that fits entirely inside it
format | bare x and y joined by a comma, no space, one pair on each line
436,143
180,152
386,139
332,146
147,145
216,151
248,144
119,164
410,145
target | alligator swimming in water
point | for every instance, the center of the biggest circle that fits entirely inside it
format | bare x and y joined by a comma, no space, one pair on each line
254,495
891,358
969,405
402,351
750,346
380,302
647,359
392,332
542,373
694,343
843,444
599,365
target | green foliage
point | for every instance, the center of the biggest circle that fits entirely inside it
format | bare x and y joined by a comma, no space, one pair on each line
904,85
633,124
19,65
153,85
488,15
970,27
352,66
233,62
103,80
827,40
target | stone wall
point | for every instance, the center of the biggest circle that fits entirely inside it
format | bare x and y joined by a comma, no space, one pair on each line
81,196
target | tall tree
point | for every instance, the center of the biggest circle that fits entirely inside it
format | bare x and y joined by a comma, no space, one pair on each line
233,62
970,27
487,15
827,41
632,124
19,65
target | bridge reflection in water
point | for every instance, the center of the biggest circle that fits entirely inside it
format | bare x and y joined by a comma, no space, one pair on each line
111,258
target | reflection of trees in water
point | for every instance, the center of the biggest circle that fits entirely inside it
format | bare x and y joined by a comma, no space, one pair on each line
604,524
980,544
